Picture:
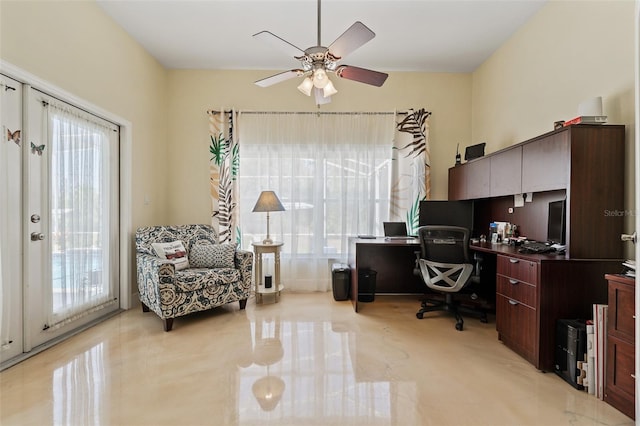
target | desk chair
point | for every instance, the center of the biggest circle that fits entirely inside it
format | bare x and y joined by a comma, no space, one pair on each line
445,267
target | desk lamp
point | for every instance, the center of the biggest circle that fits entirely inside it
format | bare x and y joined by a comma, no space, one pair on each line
268,202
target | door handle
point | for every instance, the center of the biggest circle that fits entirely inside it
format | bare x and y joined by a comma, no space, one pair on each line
633,237
37,236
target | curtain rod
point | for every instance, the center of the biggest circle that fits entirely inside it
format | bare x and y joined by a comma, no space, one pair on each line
320,112
313,112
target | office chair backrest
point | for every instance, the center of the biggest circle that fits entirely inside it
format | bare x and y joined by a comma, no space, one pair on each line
445,244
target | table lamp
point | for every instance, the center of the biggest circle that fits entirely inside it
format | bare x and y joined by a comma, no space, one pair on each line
268,202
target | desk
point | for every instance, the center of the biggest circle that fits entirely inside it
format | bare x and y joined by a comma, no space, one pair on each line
259,249
533,291
393,260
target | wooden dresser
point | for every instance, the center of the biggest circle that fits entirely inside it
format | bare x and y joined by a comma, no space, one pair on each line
620,378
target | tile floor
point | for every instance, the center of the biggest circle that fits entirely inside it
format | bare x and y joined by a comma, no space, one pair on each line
307,360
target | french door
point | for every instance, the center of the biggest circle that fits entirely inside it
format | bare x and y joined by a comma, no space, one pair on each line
65,217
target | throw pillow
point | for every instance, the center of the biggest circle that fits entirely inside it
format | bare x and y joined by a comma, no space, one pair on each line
173,252
213,255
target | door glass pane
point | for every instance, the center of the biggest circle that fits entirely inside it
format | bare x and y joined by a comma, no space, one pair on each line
79,198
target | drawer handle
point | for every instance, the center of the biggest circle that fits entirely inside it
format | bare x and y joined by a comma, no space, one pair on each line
513,302
513,281
512,260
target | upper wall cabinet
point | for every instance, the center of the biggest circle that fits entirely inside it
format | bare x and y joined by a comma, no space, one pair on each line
505,172
470,180
585,160
545,163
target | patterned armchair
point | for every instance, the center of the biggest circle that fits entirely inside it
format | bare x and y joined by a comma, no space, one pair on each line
171,293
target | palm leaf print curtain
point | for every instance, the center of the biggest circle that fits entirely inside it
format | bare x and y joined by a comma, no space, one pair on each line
410,170
224,161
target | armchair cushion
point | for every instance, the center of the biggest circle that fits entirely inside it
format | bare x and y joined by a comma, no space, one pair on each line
174,252
213,255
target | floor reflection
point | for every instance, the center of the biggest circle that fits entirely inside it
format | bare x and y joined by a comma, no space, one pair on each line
79,388
309,376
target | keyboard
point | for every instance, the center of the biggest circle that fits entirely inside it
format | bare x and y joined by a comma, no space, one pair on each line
535,247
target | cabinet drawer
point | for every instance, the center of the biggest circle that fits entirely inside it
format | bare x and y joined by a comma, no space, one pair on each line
620,383
516,325
517,290
519,269
621,321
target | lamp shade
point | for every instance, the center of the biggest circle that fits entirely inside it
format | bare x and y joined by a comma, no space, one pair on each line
306,86
329,89
268,202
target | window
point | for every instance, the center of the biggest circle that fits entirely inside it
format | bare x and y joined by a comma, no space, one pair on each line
332,173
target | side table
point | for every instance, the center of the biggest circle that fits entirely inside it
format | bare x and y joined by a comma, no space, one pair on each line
259,249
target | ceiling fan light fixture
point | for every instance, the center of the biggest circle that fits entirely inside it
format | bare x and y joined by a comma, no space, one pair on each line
320,78
329,89
306,86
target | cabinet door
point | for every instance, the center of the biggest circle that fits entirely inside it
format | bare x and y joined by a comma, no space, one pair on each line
516,326
477,178
506,172
545,163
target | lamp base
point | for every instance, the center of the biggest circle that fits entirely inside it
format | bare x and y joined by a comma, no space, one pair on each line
267,241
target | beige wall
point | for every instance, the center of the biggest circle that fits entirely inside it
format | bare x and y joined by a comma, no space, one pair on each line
569,52
564,55
191,93
78,48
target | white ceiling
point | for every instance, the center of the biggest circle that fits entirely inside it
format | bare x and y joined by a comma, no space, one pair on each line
411,35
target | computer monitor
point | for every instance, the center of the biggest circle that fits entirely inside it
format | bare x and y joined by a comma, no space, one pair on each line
455,213
395,229
556,227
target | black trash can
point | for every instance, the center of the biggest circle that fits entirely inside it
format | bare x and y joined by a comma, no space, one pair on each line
341,278
366,285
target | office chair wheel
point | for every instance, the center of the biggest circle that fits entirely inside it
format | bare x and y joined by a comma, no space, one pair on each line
420,315
459,326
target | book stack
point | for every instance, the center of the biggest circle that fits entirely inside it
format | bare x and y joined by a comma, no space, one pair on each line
587,119
629,266
599,349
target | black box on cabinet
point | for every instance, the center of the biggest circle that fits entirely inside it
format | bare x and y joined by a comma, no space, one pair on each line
571,348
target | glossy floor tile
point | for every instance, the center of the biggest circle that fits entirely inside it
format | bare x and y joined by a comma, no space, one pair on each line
307,360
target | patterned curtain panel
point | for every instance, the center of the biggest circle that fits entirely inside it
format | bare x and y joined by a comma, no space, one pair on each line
411,164
224,161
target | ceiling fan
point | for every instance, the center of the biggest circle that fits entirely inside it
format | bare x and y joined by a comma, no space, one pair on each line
318,61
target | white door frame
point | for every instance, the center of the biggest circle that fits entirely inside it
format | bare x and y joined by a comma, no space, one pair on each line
126,132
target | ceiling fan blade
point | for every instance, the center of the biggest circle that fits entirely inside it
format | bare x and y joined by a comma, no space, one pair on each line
355,36
362,75
320,98
277,78
279,43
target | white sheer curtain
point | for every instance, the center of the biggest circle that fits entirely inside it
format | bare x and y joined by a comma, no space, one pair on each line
81,212
331,172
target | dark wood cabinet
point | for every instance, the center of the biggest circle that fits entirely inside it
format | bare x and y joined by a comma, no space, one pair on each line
506,178
534,291
584,164
545,163
516,305
585,161
620,379
471,180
